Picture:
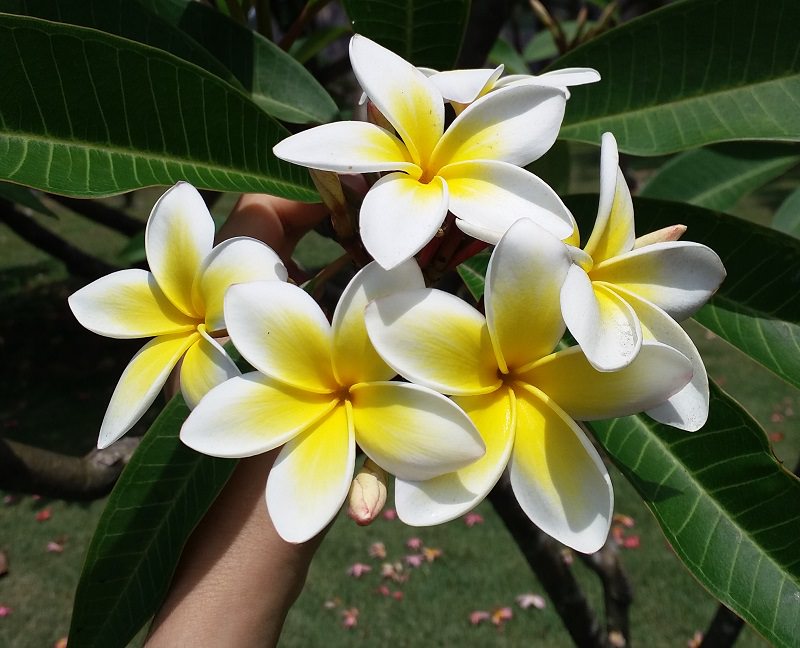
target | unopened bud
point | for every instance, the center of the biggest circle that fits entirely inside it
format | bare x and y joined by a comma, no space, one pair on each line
367,493
376,117
332,194
671,233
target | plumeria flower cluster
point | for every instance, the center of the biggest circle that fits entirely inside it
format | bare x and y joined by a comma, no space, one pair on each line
441,395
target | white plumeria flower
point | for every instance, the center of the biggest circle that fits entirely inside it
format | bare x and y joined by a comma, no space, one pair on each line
617,295
179,302
472,168
462,87
320,389
523,397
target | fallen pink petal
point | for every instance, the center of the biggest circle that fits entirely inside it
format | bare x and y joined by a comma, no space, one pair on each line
529,600
414,544
390,514
414,560
625,520
501,615
44,514
471,519
397,595
350,618
631,542
54,547
383,590
431,553
478,616
357,570
61,643
4,611
377,550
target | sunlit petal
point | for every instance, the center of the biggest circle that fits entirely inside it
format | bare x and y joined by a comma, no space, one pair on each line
441,499
179,235
237,260
127,304
280,330
251,414
311,477
523,283
609,172
465,86
617,236
411,431
493,195
354,357
556,78
558,477
404,95
140,383
205,365
433,338
688,409
400,215
678,276
346,147
516,125
600,321
656,373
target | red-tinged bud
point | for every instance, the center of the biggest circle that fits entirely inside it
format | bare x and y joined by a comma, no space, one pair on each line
671,233
367,494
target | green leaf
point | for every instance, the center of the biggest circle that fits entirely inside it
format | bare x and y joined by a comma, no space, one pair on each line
473,272
85,113
23,196
787,218
555,168
757,307
503,52
691,74
542,46
126,18
728,508
159,498
718,176
307,48
427,33
275,80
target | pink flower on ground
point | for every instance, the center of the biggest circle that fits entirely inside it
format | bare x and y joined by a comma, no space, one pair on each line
414,544
625,520
531,600
4,611
390,514
397,595
383,590
330,604
430,554
501,615
631,542
356,570
350,618
54,547
471,519
8,500
414,560
478,616
377,550
44,514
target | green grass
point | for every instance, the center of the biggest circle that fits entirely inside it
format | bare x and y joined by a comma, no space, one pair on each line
55,393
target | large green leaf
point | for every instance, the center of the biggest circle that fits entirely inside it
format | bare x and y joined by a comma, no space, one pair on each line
690,74
787,218
85,113
23,196
275,80
425,32
757,308
159,498
727,507
126,18
718,176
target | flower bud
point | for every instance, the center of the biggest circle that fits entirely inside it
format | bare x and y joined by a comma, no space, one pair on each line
671,233
367,493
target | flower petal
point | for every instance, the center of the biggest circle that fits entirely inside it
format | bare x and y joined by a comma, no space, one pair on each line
465,86
280,330
434,339
558,477
677,276
205,365
400,215
556,78
404,95
237,260
346,147
178,237
523,282
140,383
604,325
354,357
127,304
411,431
614,234
311,477
251,414
687,409
441,499
493,195
657,372
516,125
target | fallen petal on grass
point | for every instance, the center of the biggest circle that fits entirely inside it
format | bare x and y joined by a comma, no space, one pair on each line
4,611
44,514
414,560
414,543
478,616
501,615
389,514
357,570
430,554
54,547
350,618
377,550
471,519
529,599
